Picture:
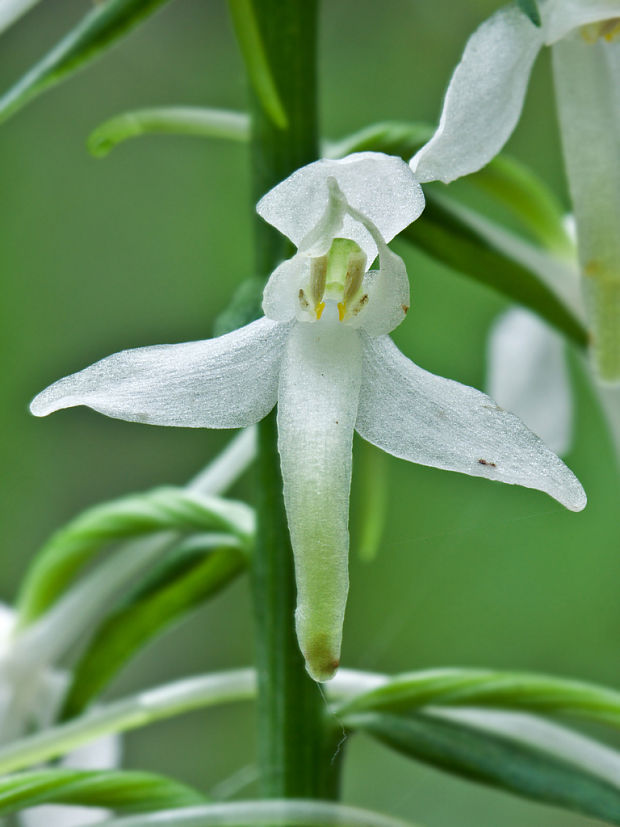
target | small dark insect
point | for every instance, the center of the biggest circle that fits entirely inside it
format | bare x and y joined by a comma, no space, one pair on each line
486,462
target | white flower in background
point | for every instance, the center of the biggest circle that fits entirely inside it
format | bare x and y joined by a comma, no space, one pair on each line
12,10
483,104
30,700
323,354
527,374
527,369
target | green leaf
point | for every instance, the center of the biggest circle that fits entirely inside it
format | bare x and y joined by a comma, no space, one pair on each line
137,710
124,792
180,584
486,688
530,8
243,308
402,138
371,494
442,233
256,62
494,760
177,120
528,198
98,30
163,509
283,812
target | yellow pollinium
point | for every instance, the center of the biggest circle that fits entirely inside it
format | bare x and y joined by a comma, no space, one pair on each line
319,310
342,310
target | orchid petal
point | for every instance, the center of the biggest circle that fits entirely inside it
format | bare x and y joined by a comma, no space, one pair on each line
317,404
588,99
228,382
423,418
484,99
559,17
281,294
380,186
318,241
528,375
387,288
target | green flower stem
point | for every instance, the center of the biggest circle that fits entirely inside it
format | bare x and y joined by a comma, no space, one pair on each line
296,740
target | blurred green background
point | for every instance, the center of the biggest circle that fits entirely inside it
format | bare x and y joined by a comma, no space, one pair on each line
147,246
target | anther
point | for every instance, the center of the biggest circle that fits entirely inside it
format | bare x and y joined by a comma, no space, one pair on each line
356,268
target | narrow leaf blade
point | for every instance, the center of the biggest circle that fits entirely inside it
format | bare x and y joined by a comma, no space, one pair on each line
443,235
495,761
530,8
283,812
528,198
256,62
160,510
523,691
97,31
402,138
124,792
146,614
172,120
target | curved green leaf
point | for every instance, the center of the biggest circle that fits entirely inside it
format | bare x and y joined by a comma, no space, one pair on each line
256,63
138,710
124,792
274,813
530,8
162,509
494,760
528,198
443,234
485,688
100,29
180,584
243,308
172,120
402,138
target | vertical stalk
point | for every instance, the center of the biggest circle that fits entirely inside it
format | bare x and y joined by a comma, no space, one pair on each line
295,741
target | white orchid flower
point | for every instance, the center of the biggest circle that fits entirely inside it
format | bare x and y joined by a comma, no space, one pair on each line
323,354
12,10
31,701
483,104
527,373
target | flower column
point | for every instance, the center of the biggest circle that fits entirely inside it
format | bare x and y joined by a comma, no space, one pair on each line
294,744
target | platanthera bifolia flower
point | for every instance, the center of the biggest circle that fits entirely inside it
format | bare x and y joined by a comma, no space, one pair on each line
323,354
30,697
12,10
483,104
